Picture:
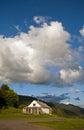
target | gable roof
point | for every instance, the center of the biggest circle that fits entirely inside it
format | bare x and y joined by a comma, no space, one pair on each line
42,104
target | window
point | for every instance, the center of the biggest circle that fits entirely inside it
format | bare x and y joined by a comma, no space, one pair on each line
34,104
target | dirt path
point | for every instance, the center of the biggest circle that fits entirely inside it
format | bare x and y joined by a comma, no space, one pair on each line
19,125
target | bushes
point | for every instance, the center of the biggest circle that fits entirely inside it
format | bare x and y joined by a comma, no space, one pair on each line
8,98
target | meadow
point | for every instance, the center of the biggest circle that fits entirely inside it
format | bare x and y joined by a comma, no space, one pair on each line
16,114
51,121
64,124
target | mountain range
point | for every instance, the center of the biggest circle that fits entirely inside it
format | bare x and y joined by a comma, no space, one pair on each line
59,109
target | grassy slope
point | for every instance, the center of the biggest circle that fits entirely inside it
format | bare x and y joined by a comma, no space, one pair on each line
52,121
14,113
65,124
69,110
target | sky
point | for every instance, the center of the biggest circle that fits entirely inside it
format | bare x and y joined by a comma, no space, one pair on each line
42,48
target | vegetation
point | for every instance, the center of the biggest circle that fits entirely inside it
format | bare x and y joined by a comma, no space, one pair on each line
8,98
26,99
52,121
61,110
16,113
9,101
63,124
70,110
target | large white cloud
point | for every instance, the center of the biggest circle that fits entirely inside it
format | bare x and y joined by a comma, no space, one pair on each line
67,77
25,57
50,42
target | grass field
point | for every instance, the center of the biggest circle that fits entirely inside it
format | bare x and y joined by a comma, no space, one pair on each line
65,124
52,121
13,113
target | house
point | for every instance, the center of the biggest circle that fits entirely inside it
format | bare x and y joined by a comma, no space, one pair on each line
37,107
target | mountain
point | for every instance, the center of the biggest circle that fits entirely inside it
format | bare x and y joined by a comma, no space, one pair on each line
68,110
26,99
59,109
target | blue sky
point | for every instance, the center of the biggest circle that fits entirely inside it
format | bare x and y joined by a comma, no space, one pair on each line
42,48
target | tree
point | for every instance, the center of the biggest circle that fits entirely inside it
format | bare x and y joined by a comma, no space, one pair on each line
8,97
5,87
11,98
2,100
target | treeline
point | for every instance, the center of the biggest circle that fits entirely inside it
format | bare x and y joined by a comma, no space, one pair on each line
8,98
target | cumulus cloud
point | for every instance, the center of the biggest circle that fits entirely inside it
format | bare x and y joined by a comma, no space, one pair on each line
67,77
25,57
82,31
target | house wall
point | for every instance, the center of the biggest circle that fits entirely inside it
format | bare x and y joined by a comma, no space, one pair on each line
45,110
24,110
36,108
31,110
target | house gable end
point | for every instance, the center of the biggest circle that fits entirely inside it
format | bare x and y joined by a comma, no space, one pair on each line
34,104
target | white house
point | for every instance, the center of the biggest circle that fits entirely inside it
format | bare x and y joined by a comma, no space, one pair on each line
37,107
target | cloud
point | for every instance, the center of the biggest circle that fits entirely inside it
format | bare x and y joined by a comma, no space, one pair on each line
69,76
50,43
77,99
39,75
26,57
18,28
54,98
72,90
82,32
40,19
14,66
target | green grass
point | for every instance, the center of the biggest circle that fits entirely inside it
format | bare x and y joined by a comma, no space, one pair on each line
64,124
52,121
13,113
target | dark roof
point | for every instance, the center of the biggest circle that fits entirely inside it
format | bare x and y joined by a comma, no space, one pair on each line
44,105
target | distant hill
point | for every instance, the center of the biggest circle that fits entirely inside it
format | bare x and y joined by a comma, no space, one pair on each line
26,99
58,108
69,110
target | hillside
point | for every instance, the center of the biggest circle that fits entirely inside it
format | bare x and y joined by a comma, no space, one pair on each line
68,110
26,99
59,109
